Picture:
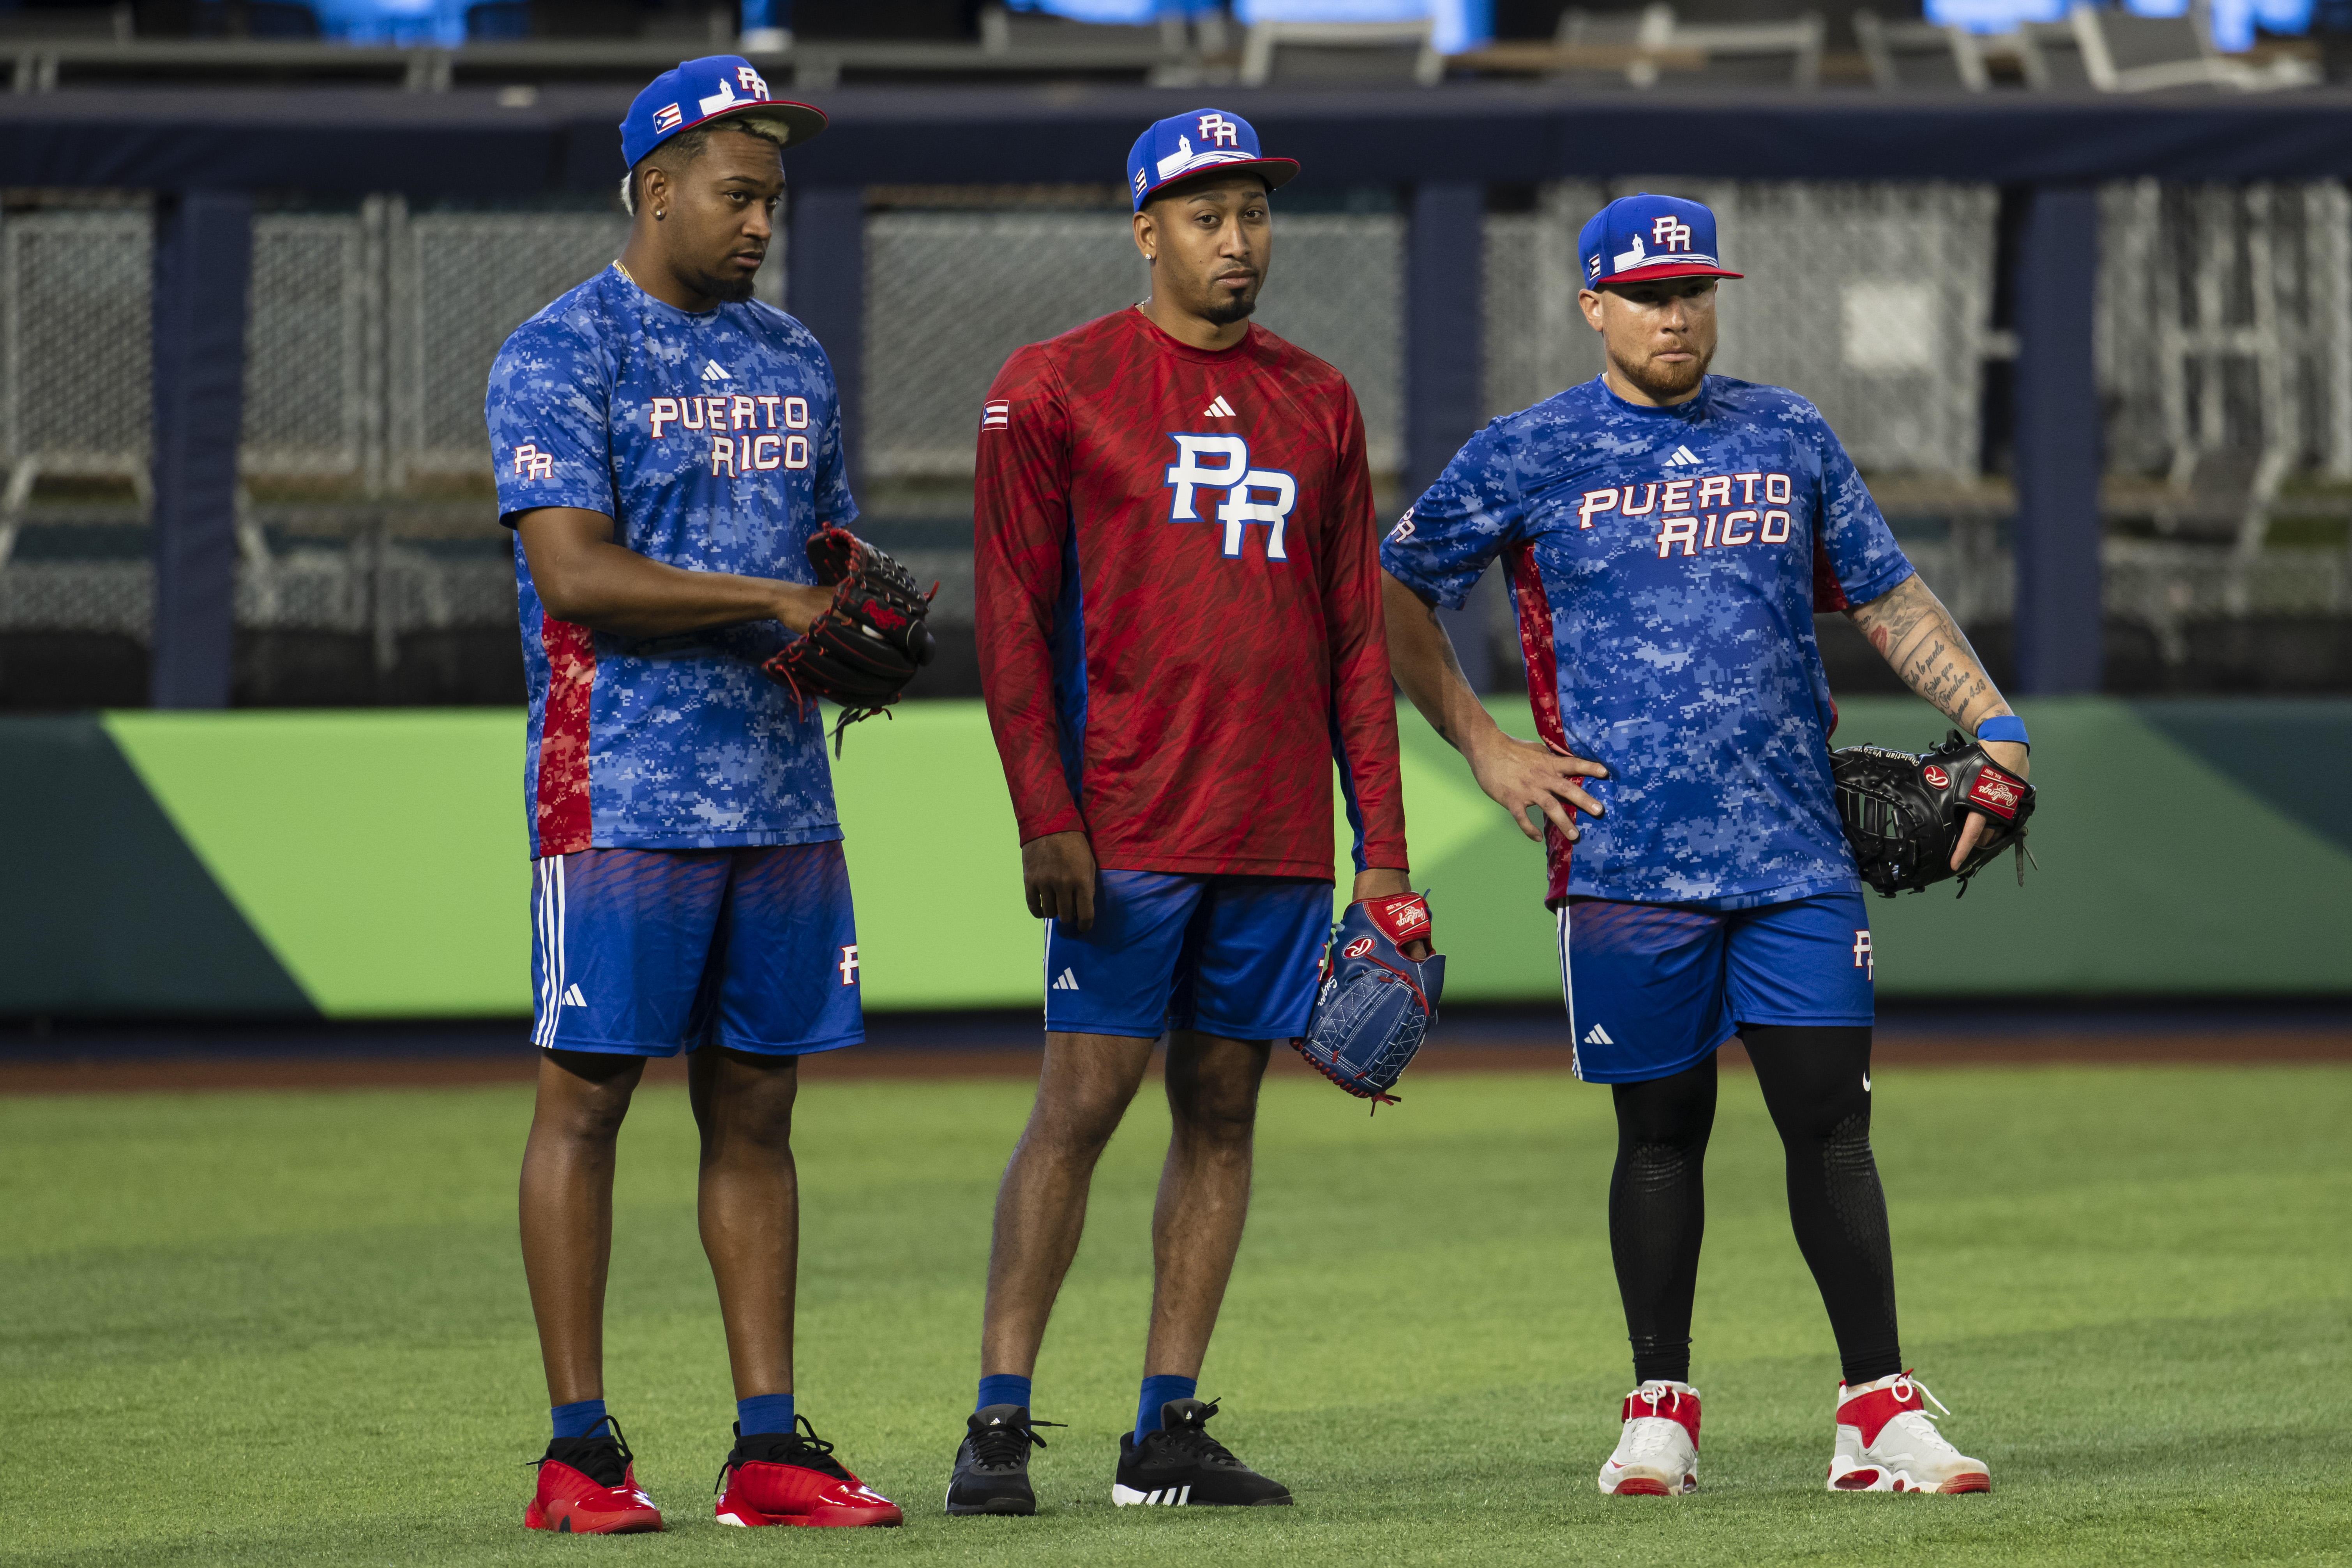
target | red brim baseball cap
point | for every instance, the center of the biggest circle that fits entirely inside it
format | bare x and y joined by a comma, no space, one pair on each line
1647,239
716,87
1186,147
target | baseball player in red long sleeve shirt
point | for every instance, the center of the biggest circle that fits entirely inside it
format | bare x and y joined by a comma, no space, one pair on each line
1180,633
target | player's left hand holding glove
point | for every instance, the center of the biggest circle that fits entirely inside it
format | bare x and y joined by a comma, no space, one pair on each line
1908,816
869,642
1374,1007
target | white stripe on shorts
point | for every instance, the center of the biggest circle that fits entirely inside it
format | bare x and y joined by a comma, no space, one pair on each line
550,933
1568,995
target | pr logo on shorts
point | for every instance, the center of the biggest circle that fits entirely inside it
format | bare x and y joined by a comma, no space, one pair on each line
848,965
1862,957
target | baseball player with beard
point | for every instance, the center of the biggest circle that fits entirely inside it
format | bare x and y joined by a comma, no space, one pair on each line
1668,537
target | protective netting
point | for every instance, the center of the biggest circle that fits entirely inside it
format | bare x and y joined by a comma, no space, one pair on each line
1874,300
313,344
459,283
74,291
948,295
2224,332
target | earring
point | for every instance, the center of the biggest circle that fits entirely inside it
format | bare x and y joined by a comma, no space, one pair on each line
659,213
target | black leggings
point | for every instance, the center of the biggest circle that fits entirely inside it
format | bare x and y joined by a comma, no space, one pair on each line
1816,1085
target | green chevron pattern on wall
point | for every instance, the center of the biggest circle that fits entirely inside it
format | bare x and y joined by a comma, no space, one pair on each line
371,864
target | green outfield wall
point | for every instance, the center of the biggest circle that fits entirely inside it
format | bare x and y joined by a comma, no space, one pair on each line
372,864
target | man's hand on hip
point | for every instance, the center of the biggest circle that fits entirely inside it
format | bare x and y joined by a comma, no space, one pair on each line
1536,776
1058,872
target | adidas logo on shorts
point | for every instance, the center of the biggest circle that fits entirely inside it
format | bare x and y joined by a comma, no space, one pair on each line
1066,981
1596,1036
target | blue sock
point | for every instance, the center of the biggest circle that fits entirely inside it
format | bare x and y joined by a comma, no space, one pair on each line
764,1412
1004,1388
576,1420
1157,1391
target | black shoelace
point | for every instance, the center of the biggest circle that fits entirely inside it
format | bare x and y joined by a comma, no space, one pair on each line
1193,1441
809,1453
1006,1447
604,1460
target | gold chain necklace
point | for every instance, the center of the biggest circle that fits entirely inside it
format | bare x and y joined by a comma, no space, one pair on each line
624,271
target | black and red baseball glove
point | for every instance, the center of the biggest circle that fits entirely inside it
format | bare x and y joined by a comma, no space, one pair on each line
1904,814
869,642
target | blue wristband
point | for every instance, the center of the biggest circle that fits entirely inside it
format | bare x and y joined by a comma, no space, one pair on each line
2004,727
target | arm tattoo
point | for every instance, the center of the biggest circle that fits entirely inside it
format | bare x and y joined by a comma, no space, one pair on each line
1915,634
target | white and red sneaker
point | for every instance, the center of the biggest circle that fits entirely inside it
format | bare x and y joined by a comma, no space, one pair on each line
1657,1451
1886,1442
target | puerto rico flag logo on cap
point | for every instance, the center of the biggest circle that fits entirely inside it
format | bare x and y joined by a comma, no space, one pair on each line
1647,237
1185,145
714,85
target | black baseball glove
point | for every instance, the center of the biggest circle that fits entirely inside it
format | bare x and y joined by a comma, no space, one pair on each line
869,642
1904,814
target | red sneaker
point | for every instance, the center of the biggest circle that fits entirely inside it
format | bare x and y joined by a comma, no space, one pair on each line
588,1486
782,1478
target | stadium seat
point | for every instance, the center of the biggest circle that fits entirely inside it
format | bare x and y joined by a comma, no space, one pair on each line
2051,54
1911,54
1341,53
2124,53
1781,53
1776,53
1005,32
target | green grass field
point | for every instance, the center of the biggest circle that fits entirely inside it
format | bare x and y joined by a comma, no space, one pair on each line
291,1328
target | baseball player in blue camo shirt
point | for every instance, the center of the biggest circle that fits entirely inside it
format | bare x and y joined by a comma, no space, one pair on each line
1668,537
666,445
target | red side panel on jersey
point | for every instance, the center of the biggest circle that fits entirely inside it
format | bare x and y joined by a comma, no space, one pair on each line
562,807
1536,649
1827,594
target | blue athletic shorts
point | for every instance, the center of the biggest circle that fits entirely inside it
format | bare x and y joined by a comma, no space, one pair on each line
647,952
1236,956
1652,988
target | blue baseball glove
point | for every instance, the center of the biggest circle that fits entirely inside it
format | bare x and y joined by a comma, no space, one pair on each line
1374,1007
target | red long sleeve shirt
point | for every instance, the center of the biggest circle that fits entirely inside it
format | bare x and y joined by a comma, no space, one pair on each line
1180,618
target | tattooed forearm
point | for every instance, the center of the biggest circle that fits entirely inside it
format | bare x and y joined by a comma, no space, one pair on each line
1917,636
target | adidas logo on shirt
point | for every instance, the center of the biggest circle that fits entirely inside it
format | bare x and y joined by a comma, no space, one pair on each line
1220,409
1596,1036
713,371
1683,457
1066,981
571,997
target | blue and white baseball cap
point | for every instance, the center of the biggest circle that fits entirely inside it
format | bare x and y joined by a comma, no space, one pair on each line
699,91
1203,142
1635,239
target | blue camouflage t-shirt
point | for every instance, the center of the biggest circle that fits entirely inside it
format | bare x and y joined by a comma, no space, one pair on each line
1665,564
713,441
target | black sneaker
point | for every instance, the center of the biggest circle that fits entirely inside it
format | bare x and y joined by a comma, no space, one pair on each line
991,1467
1181,1465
